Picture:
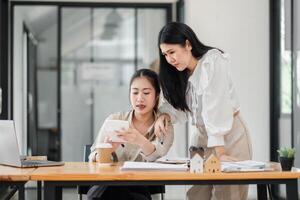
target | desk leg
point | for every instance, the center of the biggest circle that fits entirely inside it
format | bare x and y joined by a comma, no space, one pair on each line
58,193
39,190
292,189
262,192
21,193
52,192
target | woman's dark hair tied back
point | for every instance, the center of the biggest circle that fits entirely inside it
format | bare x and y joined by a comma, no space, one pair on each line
172,34
173,82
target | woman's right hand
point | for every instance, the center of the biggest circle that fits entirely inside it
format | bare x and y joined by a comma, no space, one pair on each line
161,125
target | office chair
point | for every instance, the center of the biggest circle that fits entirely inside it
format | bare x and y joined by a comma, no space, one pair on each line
153,189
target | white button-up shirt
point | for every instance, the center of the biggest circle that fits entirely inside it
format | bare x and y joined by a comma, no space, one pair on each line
210,96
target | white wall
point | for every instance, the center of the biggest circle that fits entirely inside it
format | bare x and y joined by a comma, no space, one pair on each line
240,28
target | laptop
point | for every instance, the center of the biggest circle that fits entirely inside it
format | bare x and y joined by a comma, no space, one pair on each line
9,149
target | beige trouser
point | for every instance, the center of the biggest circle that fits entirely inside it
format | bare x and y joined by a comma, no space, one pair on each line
237,144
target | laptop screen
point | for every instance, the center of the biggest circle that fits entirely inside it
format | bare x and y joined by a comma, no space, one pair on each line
9,149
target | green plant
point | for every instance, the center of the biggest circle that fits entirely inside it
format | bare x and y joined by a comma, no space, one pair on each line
287,152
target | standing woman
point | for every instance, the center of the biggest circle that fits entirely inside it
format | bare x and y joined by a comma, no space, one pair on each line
195,80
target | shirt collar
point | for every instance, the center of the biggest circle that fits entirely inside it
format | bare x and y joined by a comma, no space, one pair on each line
199,78
195,78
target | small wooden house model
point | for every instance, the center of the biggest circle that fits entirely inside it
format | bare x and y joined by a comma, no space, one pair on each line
212,165
196,164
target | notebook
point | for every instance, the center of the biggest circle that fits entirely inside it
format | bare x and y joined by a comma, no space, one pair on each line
130,165
173,160
9,149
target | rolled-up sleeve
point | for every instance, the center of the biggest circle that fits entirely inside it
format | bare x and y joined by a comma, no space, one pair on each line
217,110
177,116
161,146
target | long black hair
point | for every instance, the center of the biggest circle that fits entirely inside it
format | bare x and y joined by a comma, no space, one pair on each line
152,77
173,82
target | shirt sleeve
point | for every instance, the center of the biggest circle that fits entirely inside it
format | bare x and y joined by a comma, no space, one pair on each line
217,109
99,139
177,116
162,146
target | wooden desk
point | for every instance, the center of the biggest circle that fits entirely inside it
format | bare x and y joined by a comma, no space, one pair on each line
17,177
72,174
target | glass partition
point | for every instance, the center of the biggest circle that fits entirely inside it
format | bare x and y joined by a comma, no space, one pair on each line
101,49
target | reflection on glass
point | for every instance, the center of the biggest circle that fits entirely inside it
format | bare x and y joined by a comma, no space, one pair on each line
147,36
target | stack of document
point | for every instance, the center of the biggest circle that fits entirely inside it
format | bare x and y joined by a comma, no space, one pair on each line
246,165
129,165
174,160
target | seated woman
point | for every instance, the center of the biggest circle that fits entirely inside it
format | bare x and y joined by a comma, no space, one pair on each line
141,142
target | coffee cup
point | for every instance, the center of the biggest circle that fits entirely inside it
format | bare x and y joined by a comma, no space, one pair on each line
104,153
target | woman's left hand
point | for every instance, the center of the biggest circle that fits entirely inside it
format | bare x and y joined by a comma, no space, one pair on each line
226,158
220,152
132,136
161,125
